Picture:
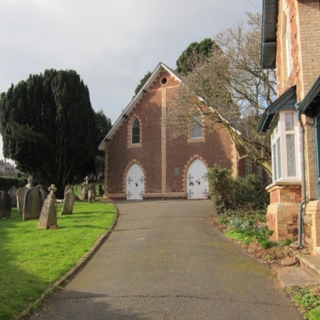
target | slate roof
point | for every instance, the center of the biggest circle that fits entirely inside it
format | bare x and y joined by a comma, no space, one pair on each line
311,99
286,101
269,34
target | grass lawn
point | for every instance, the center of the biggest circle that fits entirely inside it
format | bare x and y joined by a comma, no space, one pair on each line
32,259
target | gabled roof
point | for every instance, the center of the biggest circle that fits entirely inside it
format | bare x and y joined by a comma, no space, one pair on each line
286,101
269,34
312,98
125,113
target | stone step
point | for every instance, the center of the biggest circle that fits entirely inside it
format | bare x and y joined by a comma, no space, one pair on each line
310,263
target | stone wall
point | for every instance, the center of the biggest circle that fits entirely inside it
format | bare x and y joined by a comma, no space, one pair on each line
282,213
311,221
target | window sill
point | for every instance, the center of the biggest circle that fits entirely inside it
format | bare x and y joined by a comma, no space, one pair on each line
136,145
191,140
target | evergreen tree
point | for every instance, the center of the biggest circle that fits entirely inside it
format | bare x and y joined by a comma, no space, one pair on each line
142,82
103,125
195,53
48,127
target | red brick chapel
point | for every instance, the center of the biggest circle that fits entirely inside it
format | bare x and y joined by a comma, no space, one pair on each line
142,161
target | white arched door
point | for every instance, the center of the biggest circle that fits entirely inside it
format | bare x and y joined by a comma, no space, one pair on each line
135,183
197,181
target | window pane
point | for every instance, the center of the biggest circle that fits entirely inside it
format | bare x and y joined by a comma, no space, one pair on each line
135,139
196,130
274,162
135,131
248,166
279,174
276,129
289,120
291,158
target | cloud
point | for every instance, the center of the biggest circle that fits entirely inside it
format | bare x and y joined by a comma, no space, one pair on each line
111,44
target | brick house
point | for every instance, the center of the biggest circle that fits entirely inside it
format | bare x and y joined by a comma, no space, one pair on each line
143,161
291,44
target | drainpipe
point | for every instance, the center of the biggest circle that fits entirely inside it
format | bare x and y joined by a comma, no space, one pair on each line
303,178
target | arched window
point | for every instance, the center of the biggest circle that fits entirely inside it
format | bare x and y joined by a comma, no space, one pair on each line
196,127
135,131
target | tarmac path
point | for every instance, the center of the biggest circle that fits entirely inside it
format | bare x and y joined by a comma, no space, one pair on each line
164,260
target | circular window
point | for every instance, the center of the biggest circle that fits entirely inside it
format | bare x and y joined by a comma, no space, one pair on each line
164,80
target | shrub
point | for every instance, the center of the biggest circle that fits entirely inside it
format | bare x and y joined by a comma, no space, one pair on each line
250,193
7,182
242,193
221,186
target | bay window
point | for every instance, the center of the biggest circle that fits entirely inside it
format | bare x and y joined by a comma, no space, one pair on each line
284,148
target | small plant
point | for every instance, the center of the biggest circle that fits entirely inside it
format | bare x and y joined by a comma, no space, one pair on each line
287,242
236,222
239,236
261,216
266,244
313,314
308,300
223,219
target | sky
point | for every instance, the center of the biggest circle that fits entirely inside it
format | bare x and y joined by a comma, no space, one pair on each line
111,44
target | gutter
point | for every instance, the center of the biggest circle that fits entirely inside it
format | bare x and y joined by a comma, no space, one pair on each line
303,178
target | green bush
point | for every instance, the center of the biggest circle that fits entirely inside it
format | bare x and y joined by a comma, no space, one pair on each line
221,186
242,193
250,193
7,182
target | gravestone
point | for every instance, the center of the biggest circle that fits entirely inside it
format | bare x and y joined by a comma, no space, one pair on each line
68,201
5,205
30,182
100,190
43,193
13,195
84,189
48,217
92,193
21,192
31,204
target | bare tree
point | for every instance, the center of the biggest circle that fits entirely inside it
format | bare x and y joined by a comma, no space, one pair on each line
229,88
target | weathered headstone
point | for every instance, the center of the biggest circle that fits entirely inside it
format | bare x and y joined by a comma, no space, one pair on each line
68,201
43,192
13,195
30,182
32,204
85,189
5,205
48,217
92,193
100,190
21,192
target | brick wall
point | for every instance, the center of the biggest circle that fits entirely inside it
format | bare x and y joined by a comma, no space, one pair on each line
303,18
282,213
309,36
164,159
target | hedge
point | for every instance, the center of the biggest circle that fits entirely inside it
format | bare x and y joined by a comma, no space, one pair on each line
7,182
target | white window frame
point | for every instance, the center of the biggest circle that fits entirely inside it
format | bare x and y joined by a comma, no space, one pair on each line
279,152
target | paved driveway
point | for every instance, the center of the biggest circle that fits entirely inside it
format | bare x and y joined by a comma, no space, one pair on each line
164,260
